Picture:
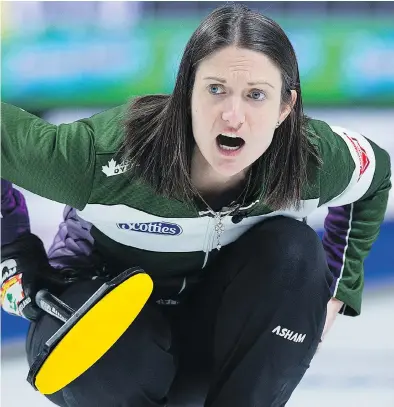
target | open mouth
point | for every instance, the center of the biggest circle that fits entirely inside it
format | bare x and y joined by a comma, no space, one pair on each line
229,143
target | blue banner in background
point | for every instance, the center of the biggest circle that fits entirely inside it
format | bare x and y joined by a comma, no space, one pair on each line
342,62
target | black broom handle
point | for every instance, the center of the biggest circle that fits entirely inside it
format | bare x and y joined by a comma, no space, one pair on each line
53,306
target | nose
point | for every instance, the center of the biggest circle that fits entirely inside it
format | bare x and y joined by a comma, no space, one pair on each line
233,113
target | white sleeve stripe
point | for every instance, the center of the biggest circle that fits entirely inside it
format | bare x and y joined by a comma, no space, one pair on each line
345,249
365,162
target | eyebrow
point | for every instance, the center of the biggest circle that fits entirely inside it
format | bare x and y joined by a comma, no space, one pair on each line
221,80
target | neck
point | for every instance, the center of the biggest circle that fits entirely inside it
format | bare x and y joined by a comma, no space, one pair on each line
207,181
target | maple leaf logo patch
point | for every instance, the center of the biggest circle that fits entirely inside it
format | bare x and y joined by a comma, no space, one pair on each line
115,169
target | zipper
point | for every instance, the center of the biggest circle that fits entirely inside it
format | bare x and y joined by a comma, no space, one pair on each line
218,227
214,230
207,242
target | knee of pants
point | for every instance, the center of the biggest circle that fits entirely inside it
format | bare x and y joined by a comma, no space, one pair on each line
140,363
289,248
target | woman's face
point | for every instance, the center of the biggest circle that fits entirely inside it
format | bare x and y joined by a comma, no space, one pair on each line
236,105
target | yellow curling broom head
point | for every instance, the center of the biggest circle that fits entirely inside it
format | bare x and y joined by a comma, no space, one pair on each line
90,331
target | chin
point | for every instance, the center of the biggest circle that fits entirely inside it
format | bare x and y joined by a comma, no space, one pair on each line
229,170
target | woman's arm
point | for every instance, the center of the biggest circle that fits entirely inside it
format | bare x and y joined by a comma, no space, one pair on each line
56,162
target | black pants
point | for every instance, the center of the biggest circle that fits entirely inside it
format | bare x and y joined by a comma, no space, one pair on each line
243,338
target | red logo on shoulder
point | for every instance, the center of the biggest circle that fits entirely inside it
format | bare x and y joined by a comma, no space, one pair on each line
362,155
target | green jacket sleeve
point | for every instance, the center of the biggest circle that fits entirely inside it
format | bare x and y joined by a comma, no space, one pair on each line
55,162
354,184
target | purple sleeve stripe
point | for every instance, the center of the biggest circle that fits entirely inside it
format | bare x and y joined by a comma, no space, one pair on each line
337,227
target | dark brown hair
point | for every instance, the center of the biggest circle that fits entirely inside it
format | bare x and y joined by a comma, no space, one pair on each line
159,139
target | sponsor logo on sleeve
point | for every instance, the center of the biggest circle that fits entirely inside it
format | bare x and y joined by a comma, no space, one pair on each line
362,155
157,228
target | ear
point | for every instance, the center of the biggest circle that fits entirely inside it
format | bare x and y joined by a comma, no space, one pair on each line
287,108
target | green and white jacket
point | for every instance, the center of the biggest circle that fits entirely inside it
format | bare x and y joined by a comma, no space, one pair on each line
120,223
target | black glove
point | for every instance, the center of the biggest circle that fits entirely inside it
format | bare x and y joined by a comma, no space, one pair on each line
24,271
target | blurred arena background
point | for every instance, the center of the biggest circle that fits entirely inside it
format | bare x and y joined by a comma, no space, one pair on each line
67,60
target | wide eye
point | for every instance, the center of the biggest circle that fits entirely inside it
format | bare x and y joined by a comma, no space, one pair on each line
215,89
257,95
